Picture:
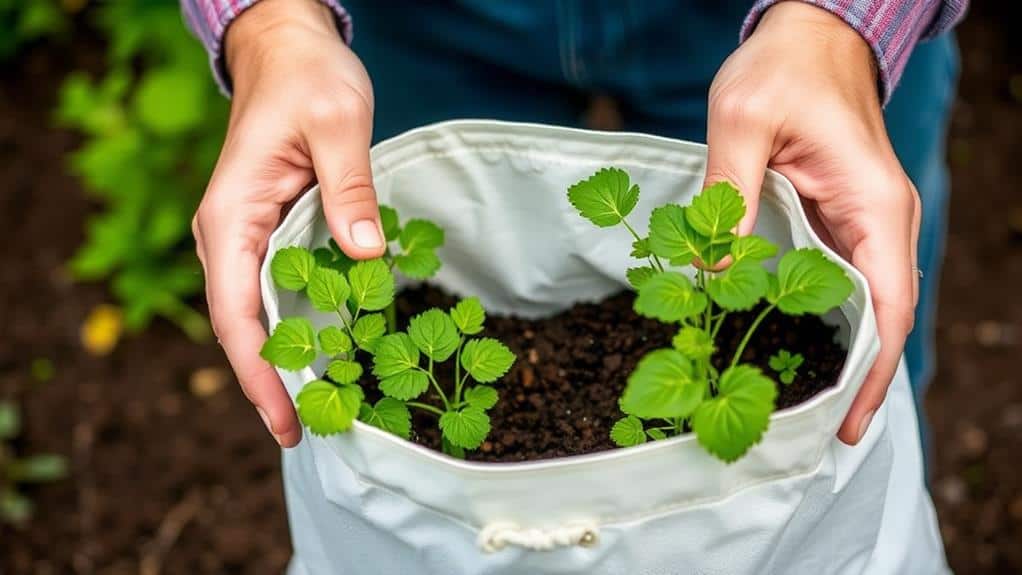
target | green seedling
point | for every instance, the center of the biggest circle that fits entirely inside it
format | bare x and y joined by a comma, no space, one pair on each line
678,388
15,507
786,365
403,362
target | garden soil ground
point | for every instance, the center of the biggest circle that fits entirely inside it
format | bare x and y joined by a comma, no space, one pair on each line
173,473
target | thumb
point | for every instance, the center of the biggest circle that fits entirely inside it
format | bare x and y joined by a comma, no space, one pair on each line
340,158
739,149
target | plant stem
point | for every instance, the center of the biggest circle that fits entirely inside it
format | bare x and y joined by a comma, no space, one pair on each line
656,259
457,370
390,314
436,385
425,407
716,327
748,334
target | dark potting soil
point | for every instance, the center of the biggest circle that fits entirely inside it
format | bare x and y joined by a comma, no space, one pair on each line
560,397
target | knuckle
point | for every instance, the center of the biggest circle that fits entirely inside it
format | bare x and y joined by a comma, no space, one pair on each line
740,108
330,110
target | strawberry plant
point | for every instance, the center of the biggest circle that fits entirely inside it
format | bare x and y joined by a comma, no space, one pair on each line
16,508
404,362
676,389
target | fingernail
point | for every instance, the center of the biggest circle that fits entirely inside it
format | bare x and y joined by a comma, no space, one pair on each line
864,424
266,422
366,234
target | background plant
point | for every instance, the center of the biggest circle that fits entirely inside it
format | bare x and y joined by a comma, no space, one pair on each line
15,507
404,362
151,140
25,21
678,388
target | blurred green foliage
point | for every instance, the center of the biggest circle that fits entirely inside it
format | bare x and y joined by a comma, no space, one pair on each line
22,21
153,127
15,507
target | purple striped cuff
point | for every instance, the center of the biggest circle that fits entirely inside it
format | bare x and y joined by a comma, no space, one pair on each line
209,19
891,27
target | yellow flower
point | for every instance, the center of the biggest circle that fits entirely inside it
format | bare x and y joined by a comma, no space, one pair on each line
102,329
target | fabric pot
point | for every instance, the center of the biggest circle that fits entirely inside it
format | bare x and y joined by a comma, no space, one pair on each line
366,502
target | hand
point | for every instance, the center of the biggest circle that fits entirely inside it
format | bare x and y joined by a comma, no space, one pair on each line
800,96
302,109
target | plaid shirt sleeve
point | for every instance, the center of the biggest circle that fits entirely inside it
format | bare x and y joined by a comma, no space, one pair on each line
891,27
209,19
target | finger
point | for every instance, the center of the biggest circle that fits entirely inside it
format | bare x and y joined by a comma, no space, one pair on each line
739,139
233,252
917,216
885,258
340,155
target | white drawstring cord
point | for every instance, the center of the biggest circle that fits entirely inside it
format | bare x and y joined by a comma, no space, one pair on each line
497,536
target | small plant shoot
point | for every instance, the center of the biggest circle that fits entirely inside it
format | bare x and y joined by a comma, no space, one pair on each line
786,365
676,389
365,339
15,507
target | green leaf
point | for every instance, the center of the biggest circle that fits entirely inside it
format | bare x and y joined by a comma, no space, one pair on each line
390,223
807,282
170,101
405,385
469,316
656,434
669,297
451,449
419,234
344,371
14,507
640,249
368,330
10,420
752,248
787,376
663,385
481,396
733,421
292,345
435,334
739,287
694,343
467,428
292,267
419,264
716,210
605,198
333,340
395,353
639,276
372,284
672,238
38,469
326,408
327,289
782,360
628,431
486,359
389,415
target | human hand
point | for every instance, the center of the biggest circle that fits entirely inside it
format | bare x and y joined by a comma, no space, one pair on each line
800,96
302,109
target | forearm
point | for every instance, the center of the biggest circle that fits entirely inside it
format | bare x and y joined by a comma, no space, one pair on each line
209,20
890,27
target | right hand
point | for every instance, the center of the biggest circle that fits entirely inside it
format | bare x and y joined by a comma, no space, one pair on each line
302,110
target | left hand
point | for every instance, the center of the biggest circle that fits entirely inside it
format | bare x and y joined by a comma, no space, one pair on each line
800,96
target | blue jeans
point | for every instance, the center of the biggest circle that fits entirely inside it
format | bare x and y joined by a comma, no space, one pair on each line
542,60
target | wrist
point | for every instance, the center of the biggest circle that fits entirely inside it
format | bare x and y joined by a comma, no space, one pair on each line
271,24
819,29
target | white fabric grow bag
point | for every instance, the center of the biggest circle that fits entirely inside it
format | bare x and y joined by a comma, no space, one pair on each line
366,502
